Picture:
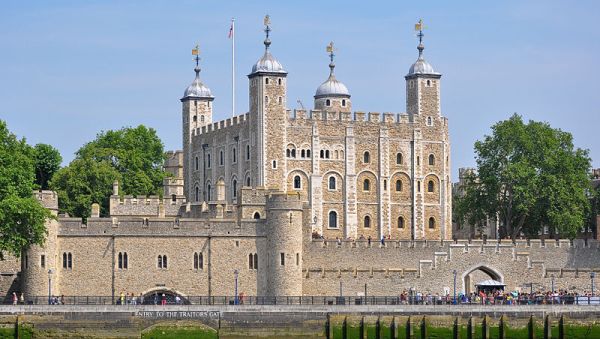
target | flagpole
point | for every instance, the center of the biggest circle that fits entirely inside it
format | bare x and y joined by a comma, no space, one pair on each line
232,67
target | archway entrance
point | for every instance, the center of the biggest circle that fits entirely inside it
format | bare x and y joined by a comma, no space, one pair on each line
477,274
155,297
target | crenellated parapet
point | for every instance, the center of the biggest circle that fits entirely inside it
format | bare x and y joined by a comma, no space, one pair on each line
223,124
359,116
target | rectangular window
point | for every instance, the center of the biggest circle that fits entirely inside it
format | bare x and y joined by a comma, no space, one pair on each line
282,258
43,260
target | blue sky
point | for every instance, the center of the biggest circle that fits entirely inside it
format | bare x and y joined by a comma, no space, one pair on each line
69,69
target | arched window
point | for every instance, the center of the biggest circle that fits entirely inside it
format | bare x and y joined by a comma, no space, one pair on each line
336,154
399,158
297,182
256,215
333,219
428,82
195,118
400,222
234,188
274,164
64,259
208,160
234,155
255,261
208,192
198,261
366,185
326,154
248,181
293,152
197,194
162,262
431,159
418,161
366,157
266,81
288,153
398,185
279,81
308,153
343,102
197,164
302,154
367,221
385,185
429,122
221,161
332,182
120,260
430,186
251,261
431,222
322,154
195,260
173,197
247,152
202,116
327,102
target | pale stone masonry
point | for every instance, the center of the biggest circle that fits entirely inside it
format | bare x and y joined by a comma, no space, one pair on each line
267,193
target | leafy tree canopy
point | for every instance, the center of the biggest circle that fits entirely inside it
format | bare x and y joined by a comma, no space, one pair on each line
528,176
47,162
134,156
22,217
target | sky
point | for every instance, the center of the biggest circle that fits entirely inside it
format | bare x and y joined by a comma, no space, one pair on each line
70,69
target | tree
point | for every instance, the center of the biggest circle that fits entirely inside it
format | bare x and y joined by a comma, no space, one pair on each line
22,217
528,176
47,162
134,156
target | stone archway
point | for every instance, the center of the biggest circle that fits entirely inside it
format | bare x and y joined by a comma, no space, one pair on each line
478,272
154,297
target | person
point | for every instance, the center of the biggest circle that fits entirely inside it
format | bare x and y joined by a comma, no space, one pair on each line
141,299
383,240
369,241
14,298
177,300
22,299
133,299
339,241
62,299
122,298
155,298
163,300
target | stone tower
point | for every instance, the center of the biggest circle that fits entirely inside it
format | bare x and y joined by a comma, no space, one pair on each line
284,244
332,95
268,112
41,265
422,88
196,112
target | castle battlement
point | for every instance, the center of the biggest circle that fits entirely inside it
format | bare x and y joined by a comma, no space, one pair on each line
359,116
222,124
48,199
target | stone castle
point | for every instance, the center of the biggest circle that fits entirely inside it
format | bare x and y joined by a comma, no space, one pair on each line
295,203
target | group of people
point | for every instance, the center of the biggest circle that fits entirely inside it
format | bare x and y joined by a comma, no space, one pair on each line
492,297
317,236
157,299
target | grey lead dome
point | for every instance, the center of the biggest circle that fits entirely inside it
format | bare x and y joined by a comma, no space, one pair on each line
197,89
421,66
267,63
332,88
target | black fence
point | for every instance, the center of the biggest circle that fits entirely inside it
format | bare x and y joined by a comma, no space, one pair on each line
431,300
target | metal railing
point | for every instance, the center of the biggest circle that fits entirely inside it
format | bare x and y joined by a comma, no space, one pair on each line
430,300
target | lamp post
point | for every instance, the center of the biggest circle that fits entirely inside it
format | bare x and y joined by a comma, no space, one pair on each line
552,280
235,275
592,276
50,272
454,298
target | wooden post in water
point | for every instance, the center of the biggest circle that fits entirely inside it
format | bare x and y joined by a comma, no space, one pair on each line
485,328
328,327
547,327
470,329
378,328
561,327
345,328
409,329
394,328
455,329
531,328
502,328
424,328
363,330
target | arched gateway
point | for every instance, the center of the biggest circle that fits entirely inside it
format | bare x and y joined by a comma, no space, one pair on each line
154,297
478,273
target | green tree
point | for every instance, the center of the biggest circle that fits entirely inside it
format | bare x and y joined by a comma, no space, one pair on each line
47,162
134,156
528,176
22,217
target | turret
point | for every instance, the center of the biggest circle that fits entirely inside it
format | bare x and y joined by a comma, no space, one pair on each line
42,265
284,244
268,115
197,112
422,86
332,95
